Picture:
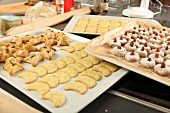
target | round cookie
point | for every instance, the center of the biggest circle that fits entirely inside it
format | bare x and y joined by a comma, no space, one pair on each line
62,76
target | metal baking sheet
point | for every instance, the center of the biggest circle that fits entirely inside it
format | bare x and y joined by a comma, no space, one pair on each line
72,23
74,101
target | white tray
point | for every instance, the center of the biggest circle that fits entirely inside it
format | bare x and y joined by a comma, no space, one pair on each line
72,23
74,101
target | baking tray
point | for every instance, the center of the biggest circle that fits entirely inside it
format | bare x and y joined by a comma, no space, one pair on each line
74,101
72,23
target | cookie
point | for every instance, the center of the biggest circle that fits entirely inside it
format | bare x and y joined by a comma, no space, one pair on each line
87,63
90,82
78,46
68,60
50,80
75,55
60,63
41,87
104,71
56,97
62,76
90,73
78,66
82,53
28,77
76,86
39,70
68,48
110,66
94,59
71,71
51,68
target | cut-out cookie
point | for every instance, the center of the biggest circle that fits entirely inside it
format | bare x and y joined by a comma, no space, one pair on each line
41,87
110,66
68,60
94,59
90,82
50,80
82,53
71,71
51,68
56,97
90,73
75,55
76,86
60,63
78,46
104,71
62,76
28,77
68,48
78,66
87,63
41,71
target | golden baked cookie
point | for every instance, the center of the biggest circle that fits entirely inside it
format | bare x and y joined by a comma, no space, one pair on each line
41,71
50,80
71,71
28,77
93,74
34,59
78,46
68,60
51,68
87,63
47,52
12,67
27,38
78,66
16,41
68,48
94,59
110,66
103,70
62,76
60,63
83,53
41,87
76,86
56,97
90,82
75,56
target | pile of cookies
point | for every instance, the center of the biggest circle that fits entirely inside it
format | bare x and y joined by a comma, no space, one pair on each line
18,50
140,45
97,26
78,71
